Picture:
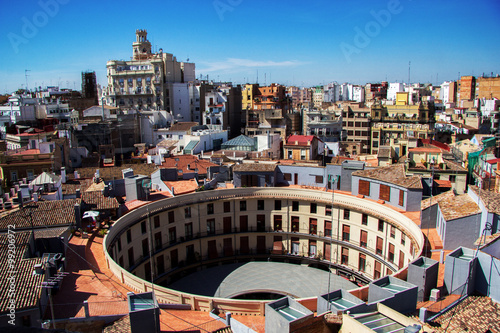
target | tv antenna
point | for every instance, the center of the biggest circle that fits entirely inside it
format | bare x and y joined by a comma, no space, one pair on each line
26,76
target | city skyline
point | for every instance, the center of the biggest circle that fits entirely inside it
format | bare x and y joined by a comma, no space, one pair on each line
232,40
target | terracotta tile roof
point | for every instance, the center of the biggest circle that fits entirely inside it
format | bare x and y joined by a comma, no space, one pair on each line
435,199
394,174
425,150
72,185
44,213
254,167
27,291
183,162
50,232
119,326
442,183
182,186
490,199
110,173
474,314
182,127
300,140
458,206
165,143
384,152
454,166
96,200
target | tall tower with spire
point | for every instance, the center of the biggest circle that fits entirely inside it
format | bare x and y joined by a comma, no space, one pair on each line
141,47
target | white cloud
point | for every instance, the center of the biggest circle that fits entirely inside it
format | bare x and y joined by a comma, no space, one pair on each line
236,64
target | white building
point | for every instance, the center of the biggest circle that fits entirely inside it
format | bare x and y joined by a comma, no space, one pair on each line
148,80
393,89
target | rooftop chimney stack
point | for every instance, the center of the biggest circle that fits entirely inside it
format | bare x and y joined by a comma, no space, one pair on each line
63,175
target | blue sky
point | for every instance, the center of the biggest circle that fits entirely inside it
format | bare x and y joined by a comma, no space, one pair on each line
304,43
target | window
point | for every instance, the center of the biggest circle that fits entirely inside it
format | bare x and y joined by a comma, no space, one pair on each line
260,204
401,197
277,222
261,223
312,248
172,235
347,214
288,176
295,245
319,179
211,226
243,223
403,239
380,246
145,247
227,224
243,206
328,228
390,257
385,193
452,178
295,223
345,256
346,230
130,257
119,244
171,217
393,231
158,241
187,212
143,227
295,206
381,225
328,210
314,208
188,230
227,206
362,262
156,221
210,208
364,187
363,239
364,219
377,270
277,204
13,176
313,226
401,259
129,236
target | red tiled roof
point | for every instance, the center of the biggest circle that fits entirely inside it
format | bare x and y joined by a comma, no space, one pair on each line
301,140
493,161
442,183
182,162
182,186
96,200
425,150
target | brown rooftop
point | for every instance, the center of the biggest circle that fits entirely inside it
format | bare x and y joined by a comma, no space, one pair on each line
42,214
458,206
96,200
436,199
182,126
254,167
490,199
28,291
394,174
110,173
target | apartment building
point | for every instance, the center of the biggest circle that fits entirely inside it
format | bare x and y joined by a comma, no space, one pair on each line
149,80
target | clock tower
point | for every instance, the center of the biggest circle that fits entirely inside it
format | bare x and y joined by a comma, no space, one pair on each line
141,47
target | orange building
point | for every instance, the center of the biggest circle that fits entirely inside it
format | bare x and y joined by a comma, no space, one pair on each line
467,88
488,87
